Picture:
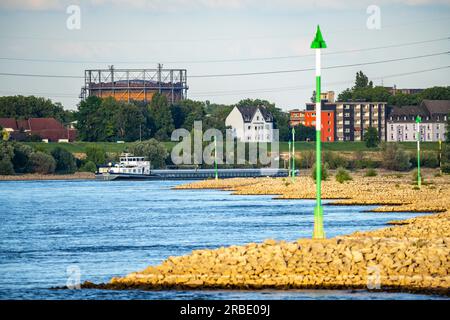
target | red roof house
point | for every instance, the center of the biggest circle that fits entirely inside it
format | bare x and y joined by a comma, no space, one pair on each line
46,128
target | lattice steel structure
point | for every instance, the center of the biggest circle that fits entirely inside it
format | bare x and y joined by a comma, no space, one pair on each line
135,84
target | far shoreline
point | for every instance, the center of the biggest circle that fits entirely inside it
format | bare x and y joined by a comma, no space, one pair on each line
42,177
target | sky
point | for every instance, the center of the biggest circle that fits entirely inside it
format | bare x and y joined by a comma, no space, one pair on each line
198,35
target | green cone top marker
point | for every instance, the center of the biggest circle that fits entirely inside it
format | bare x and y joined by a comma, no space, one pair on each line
293,154
318,44
419,179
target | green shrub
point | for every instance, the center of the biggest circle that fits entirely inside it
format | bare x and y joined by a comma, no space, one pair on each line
394,158
96,154
334,160
325,168
89,166
22,153
414,175
371,138
65,161
445,162
6,167
41,162
342,175
371,173
427,159
307,159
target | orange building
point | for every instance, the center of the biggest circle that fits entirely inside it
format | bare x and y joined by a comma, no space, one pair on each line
308,118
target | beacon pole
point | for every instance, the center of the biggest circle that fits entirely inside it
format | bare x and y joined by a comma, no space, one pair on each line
318,233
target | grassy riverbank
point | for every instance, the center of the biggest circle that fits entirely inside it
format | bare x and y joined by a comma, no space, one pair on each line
113,147
411,255
36,176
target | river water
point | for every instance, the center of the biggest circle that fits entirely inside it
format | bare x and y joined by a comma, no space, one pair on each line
52,229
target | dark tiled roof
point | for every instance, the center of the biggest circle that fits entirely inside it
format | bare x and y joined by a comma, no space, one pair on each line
408,111
249,111
437,106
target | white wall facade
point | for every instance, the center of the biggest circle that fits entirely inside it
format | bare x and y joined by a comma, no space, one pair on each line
257,130
236,122
406,131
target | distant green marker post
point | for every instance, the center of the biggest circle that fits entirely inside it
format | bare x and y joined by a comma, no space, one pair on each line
293,154
318,44
215,158
419,179
289,161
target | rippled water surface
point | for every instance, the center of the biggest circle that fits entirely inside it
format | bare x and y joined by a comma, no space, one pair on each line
109,229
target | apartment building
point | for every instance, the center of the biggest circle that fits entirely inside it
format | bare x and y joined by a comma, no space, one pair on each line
402,126
353,118
308,118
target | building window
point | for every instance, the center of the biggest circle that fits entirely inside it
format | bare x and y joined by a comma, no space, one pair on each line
257,118
249,127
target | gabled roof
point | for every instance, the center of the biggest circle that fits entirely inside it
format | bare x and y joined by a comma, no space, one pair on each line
248,112
38,124
436,106
8,123
408,111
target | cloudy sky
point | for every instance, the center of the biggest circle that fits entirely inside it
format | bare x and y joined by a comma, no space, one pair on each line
224,37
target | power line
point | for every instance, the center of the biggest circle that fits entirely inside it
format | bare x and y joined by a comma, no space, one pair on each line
292,88
227,60
247,91
311,69
246,73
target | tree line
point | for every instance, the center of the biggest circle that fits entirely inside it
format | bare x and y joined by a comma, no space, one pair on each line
365,90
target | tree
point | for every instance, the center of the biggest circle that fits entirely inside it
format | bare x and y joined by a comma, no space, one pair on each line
313,97
6,150
22,153
129,122
304,133
162,116
185,112
21,107
6,167
394,158
435,93
89,166
153,150
65,161
362,81
371,137
96,154
345,95
41,162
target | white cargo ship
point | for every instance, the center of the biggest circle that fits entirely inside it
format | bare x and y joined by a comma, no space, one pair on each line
131,167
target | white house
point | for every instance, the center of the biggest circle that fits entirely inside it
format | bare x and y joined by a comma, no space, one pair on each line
401,124
251,124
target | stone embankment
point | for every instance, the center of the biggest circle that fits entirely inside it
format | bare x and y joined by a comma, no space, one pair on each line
410,255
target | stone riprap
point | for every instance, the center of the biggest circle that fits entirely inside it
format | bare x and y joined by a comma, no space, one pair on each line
410,255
